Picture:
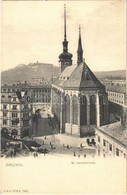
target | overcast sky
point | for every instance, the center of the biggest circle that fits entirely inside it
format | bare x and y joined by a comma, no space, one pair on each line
33,31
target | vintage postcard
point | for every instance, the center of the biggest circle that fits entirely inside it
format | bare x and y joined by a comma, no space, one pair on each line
63,97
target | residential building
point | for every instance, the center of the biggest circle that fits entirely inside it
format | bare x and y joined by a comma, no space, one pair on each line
116,91
15,112
111,140
19,101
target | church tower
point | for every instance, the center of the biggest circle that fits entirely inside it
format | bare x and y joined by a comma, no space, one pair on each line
79,50
65,58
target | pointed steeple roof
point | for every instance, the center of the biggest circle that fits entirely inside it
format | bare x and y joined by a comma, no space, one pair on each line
65,35
82,78
79,50
65,57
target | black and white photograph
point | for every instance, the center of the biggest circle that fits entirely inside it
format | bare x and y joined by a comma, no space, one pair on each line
63,97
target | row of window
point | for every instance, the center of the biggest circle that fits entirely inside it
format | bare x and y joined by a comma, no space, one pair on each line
104,143
42,100
116,95
14,107
110,146
116,101
15,114
41,90
15,123
42,96
3,96
64,78
6,90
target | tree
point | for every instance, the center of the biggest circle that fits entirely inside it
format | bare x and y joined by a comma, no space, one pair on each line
35,119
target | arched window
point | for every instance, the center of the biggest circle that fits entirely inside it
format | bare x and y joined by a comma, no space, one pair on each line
75,109
68,108
83,110
101,103
92,110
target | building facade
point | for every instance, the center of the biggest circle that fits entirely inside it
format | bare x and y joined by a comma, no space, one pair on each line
111,141
15,112
18,103
116,91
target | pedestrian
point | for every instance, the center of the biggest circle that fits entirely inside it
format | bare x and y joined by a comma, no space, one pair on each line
43,142
84,155
74,154
81,145
63,145
14,152
11,153
34,154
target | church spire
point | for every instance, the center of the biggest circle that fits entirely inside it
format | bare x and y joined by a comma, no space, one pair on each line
79,50
65,42
65,58
65,23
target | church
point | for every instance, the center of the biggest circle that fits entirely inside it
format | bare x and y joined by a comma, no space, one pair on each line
78,99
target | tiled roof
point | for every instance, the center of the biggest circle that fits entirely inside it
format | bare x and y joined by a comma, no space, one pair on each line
64,75
115,131
116,88
82,77
68,71
59,82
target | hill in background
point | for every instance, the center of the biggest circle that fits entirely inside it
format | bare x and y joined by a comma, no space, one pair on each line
24,72
117,74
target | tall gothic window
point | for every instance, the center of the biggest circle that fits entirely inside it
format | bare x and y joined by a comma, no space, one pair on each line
93,110
67,108
83,110
75,110
101,102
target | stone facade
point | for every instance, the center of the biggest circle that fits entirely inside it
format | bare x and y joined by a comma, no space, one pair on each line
16,116
76,110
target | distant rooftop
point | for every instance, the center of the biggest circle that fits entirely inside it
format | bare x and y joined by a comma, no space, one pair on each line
115,131
116,88
37,82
